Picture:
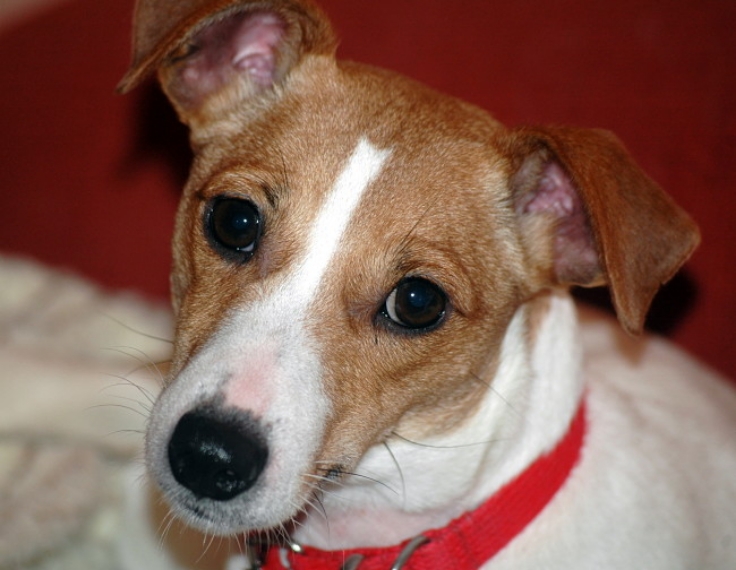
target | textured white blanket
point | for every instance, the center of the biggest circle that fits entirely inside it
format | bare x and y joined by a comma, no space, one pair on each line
77,377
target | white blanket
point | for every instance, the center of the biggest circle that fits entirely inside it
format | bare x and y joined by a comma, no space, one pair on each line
77,377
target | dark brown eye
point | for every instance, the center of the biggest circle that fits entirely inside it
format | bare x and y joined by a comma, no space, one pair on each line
416,304
234,227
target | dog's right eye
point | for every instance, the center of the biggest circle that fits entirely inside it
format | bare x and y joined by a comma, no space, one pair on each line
233,226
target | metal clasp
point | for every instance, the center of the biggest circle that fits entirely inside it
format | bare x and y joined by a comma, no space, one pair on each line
353,562
255,554
409,550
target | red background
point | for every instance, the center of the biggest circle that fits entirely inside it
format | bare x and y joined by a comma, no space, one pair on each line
89,180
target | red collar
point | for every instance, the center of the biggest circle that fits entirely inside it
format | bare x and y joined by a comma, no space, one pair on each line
472,539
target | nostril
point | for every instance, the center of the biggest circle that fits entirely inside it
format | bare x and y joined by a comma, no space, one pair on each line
214,458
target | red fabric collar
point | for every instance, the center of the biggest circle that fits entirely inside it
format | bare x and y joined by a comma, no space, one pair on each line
475,537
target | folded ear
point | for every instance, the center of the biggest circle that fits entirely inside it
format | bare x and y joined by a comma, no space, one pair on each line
211,54
589,215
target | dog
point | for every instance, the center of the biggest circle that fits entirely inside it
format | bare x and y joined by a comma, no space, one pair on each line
377,361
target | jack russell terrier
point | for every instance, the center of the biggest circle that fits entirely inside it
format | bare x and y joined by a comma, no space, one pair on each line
377,363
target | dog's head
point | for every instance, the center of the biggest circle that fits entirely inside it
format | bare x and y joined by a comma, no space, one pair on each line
350,250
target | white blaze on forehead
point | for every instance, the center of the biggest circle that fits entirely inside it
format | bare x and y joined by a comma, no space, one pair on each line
362,168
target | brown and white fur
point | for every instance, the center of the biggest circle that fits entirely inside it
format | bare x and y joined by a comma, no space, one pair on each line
372,432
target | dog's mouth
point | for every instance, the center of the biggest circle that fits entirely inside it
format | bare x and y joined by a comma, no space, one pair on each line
257,511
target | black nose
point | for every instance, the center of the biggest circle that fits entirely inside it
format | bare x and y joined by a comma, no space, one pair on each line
215,458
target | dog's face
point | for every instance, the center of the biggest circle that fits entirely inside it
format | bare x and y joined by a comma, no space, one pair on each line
349,252
326,285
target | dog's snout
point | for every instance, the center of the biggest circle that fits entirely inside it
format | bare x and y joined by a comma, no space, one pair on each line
216,458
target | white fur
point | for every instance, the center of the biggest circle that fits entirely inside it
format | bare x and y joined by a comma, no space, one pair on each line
654,488
263,361
532,397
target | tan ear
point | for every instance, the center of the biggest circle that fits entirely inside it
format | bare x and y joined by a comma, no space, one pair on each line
222,50
601,218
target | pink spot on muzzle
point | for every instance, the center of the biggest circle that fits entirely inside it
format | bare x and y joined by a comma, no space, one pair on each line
250,388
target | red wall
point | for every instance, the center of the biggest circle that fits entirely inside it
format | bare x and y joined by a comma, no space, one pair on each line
89,180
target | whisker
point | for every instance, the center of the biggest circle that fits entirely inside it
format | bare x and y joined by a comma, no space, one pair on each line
362,476
133,431
239,541
316,503
139,356
167,523
398,467
121,406
493,389
136,331
207,546
127,382
457,446
404,243
338,484
135,353
147,408
323,510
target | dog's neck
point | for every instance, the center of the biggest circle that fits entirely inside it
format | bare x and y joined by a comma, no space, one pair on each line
405,487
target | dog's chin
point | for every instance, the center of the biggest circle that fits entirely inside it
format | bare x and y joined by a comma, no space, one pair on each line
259,512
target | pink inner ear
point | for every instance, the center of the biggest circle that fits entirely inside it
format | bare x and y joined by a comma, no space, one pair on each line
255,44
241,43
554,194
575,254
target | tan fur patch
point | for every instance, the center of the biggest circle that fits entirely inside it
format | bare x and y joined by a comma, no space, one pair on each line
413,221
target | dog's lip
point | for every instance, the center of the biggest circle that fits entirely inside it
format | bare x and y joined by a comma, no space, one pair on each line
199,514
213,517
195,514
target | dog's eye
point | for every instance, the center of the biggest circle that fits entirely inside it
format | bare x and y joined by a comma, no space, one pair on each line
234,225
416,304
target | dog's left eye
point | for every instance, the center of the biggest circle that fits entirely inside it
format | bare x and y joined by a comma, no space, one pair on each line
234,226
416,304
